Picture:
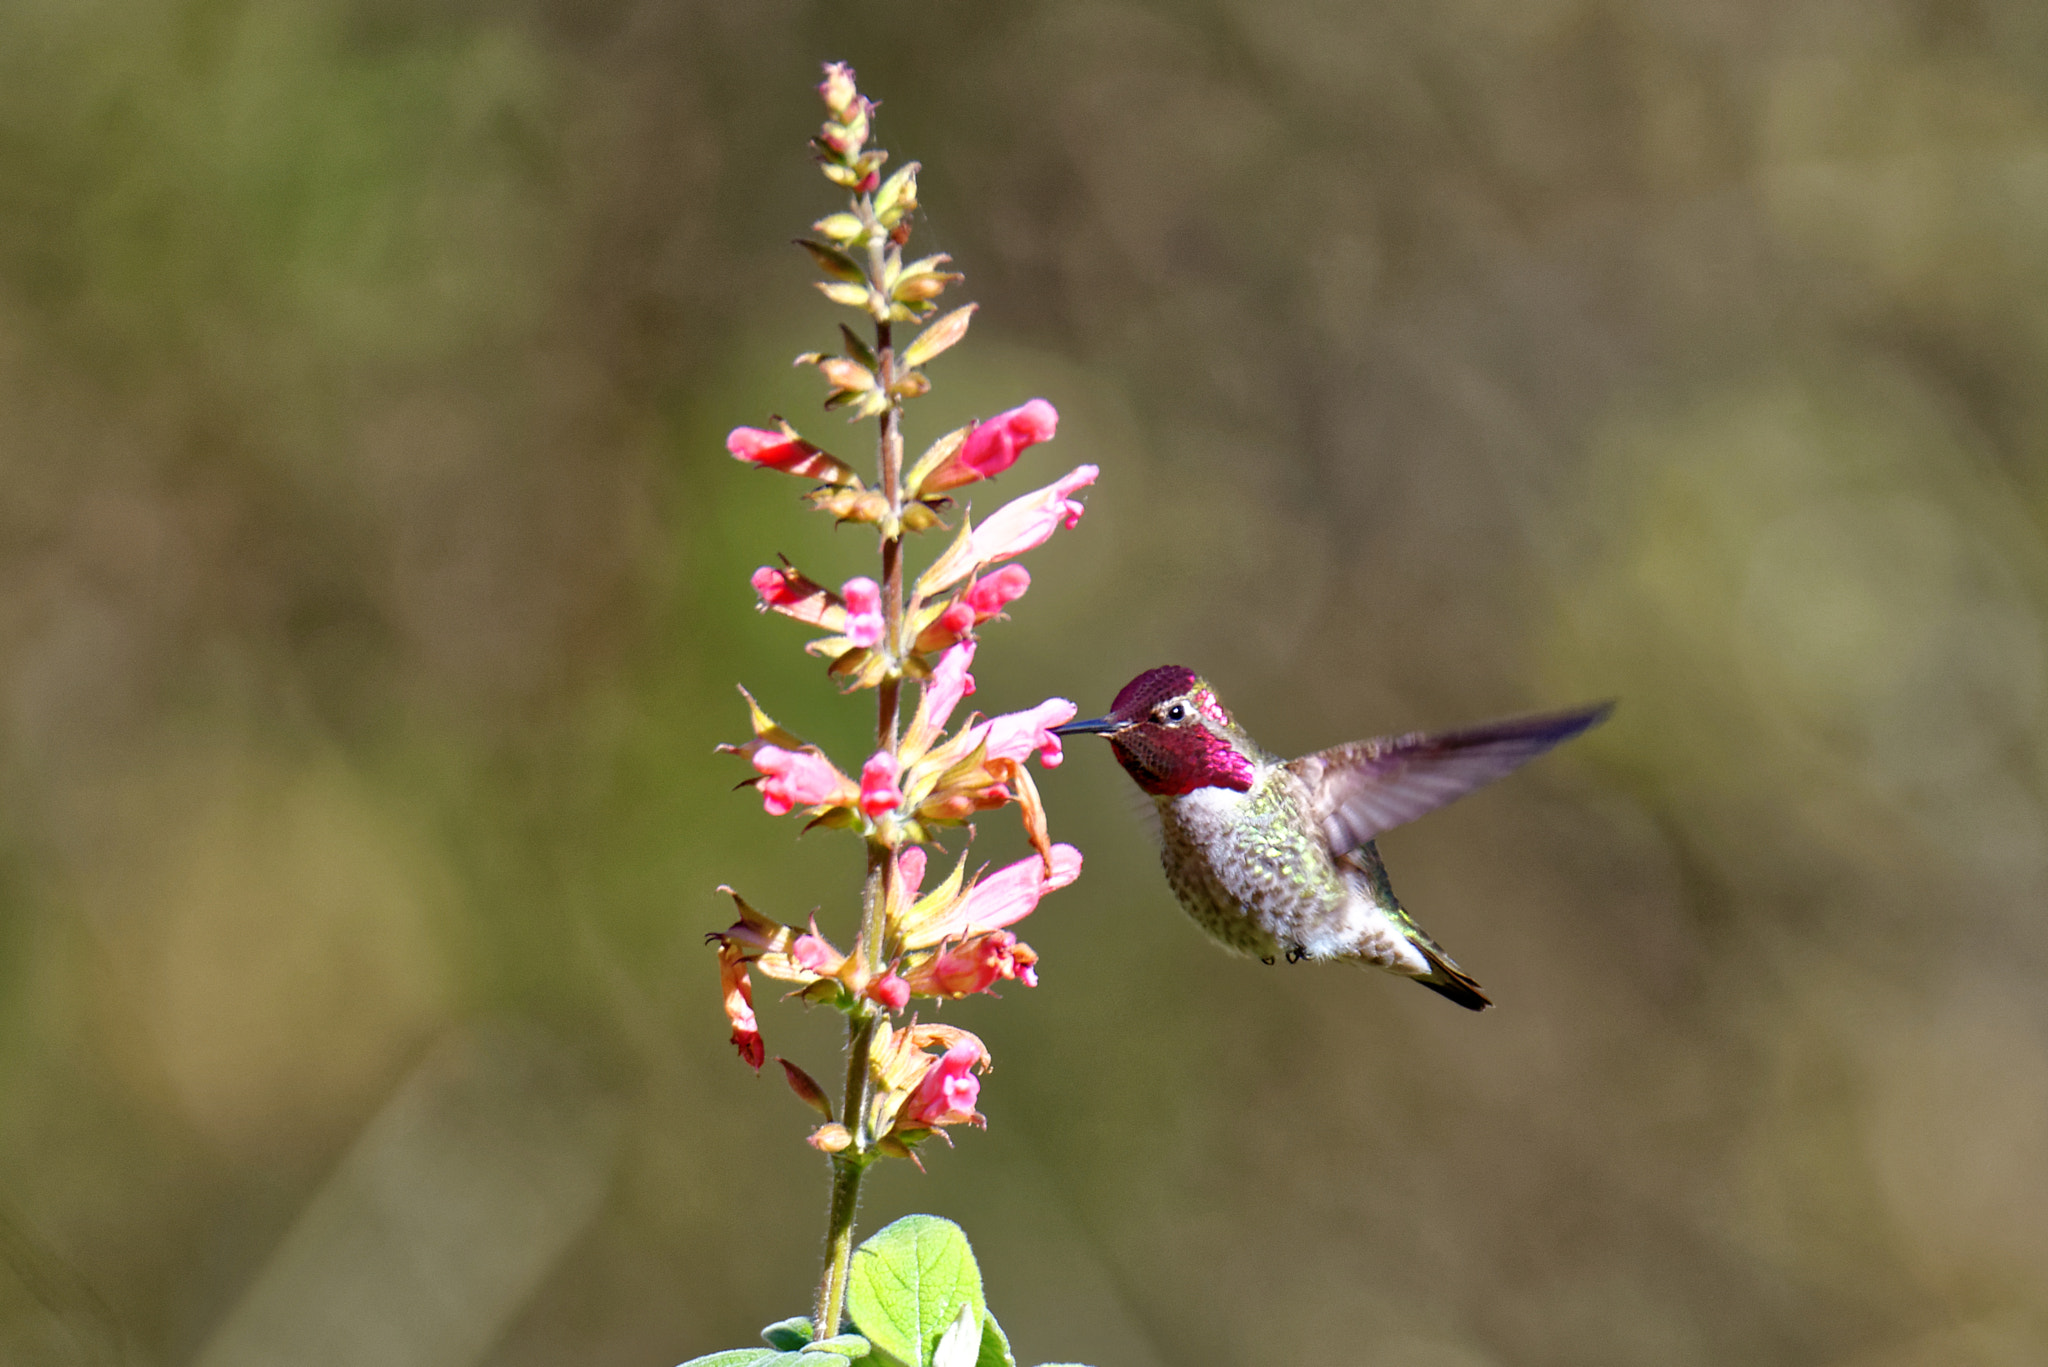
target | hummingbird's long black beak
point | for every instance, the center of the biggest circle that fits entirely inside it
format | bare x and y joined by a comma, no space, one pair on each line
1101,726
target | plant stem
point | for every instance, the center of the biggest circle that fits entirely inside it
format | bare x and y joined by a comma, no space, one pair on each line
847,1168
850,1164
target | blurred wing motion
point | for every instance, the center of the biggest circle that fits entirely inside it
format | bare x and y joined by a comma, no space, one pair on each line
1370,786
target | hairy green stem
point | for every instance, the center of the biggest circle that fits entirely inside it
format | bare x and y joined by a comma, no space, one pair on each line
847,1168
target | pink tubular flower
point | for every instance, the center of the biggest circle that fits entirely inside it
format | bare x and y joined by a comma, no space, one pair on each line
993,446
942,692
1030,521
864,624
980,601
975,965
1000,899
814,954
878,790
910,867
797,778
787,452
788,592
775,588
950,682
759,447
956,621
947,1092
1015,735
990,596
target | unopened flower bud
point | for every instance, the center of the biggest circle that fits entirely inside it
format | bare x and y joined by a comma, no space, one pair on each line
829,1138
864,623
889,992
842,373
838,89
878,790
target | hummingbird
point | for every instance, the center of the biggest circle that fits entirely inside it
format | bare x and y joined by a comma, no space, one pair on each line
1276,857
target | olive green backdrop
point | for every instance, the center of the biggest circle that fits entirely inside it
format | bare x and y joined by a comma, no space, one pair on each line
373,585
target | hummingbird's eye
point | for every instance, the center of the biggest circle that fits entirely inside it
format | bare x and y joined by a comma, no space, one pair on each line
1176,713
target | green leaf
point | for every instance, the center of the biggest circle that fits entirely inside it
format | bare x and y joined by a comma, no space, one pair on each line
851,1346
859,350
834,262
790,1335
908,1284
995,1344
813,1355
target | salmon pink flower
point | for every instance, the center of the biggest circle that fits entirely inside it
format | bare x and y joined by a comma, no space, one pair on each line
942,692
798,778
956,621
864,624
999,899
992,447
947,1092
775,587
878,790
910,869
1030,521
1016,735
984,599
974,965
813,953
989,596
739,1005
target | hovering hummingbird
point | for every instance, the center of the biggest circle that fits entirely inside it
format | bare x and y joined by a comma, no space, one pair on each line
1274,856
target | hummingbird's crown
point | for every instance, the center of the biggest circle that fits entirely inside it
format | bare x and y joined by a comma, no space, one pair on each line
1151,688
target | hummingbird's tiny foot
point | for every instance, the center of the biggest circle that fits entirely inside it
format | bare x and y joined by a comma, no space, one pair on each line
1296,954
1267,960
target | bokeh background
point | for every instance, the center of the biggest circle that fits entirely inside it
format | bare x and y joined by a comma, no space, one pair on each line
373,586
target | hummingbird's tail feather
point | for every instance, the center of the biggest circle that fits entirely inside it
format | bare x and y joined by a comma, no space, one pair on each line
1447,979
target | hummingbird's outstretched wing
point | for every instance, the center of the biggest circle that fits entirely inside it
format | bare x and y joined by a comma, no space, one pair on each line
1369,786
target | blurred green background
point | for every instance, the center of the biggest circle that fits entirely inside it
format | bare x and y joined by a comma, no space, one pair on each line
373,586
